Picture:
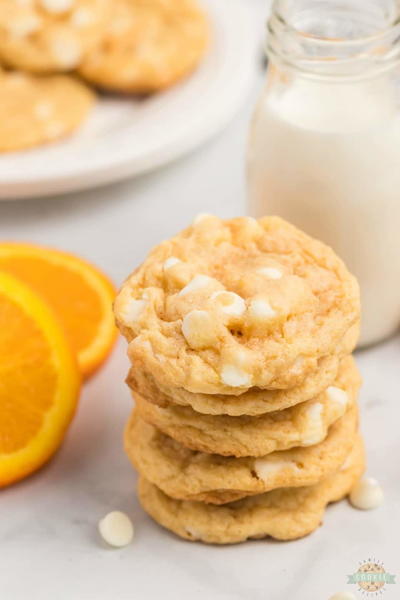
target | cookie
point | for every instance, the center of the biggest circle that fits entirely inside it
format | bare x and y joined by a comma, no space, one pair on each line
188,475
254,402
46,36
36,110
302,425
147,46
227,306
284,514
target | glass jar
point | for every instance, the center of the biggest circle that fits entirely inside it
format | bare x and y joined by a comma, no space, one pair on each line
324,146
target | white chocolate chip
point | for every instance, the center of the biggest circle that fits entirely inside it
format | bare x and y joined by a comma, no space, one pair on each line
81,17
297,366
116,529
347,463
21,27
67,51
199,330
198,282
315,429
343,596
366,494
264,467
270,272
43,110
230,303
335,394
261,310
235,377
56,7
171,262
201,217
54,129
132,311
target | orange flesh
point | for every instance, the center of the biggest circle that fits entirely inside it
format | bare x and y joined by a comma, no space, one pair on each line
80,310
28,377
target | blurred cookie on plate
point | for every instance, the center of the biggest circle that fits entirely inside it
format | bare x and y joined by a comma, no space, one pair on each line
46,36
147,46
36,110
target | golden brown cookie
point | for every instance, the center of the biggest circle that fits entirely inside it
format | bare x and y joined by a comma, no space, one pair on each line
184,474
302,425
47,36
147,46
226,306
284,514
254,402
37,110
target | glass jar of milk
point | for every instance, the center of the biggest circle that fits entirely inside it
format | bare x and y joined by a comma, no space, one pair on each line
324,148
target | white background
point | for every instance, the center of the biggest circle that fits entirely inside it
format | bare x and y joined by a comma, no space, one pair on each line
49,547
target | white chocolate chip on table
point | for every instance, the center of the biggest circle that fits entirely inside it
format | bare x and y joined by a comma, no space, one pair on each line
116,529
367,494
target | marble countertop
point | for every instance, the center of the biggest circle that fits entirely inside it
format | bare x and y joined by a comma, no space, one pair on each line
49,546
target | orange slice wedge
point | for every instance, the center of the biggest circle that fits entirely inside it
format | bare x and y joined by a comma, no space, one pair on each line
39,381
79,294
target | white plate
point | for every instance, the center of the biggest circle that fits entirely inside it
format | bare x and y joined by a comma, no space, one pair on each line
125,137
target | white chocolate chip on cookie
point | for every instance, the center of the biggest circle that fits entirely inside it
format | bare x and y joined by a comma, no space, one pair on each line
367,494
82,17
270,272
315,426
171,262
229,303
133,310
235,377
199,329
56,6
67,51
198,282
43,110
261,310
335,394
264,468
23,26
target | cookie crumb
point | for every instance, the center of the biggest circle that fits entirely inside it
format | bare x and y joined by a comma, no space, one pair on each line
343,596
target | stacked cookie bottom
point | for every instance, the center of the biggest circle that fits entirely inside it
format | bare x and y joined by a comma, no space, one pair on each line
223,469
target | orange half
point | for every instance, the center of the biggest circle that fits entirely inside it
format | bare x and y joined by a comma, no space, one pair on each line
39,381
80,295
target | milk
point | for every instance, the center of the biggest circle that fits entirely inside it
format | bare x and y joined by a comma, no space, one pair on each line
327,158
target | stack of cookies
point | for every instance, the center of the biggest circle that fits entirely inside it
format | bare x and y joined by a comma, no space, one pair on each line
246,422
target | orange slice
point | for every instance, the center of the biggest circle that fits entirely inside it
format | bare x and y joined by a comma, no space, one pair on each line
80,295
39,381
